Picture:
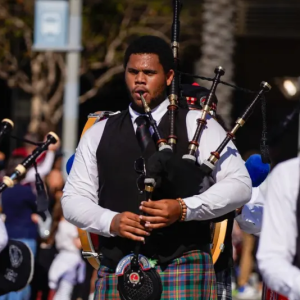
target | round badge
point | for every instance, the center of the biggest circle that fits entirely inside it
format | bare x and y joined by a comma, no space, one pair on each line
15,255
134,278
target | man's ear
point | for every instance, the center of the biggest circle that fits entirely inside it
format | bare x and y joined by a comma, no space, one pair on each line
170,76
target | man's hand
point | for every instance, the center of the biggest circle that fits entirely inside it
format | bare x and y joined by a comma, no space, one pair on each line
161,213
129,225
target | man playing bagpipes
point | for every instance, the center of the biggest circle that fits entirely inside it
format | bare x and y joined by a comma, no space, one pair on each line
101,194
279,248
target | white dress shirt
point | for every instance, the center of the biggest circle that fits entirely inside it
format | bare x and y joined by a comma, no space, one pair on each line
68,259
65,236
232,190
250,219
277,246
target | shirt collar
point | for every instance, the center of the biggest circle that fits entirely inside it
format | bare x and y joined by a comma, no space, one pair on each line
157,113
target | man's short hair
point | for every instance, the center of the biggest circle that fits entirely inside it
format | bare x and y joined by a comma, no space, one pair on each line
151,45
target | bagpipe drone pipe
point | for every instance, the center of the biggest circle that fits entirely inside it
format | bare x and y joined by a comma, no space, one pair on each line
182,177
29,161
16,259
6,127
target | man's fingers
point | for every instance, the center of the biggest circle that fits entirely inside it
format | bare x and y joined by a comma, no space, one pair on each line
132,216
151,211
140,224
131,236
154,220
157,225
152,204
136,231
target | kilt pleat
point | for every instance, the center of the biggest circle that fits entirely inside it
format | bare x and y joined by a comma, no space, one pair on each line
189,277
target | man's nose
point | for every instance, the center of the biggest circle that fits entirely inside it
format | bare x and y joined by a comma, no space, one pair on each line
140,78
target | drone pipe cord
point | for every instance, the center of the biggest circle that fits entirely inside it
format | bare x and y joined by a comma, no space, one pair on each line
25,140
52,138
220,82
209,164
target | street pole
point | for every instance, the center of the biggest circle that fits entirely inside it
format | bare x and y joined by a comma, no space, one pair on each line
71,95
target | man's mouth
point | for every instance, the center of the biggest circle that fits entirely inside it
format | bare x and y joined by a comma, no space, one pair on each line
138,93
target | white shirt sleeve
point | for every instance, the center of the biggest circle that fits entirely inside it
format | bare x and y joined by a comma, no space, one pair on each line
233,184
277,245
3,235
250,219
80,194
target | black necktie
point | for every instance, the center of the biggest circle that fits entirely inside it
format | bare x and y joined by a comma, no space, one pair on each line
142,132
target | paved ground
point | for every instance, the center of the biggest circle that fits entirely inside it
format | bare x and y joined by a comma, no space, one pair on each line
235,298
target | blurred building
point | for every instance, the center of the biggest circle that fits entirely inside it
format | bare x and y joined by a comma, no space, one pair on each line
268,47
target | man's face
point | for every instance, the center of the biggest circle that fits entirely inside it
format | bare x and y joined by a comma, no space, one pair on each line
145,73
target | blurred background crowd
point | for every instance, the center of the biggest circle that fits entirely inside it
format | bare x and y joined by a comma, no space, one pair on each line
41,91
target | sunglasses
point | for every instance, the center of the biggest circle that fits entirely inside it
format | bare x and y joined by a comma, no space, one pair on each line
139,167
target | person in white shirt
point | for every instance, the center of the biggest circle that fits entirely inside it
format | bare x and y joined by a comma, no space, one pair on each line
278,252
67,268
88,203
250,218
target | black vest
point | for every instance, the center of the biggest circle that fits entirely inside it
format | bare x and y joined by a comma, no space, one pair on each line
116,153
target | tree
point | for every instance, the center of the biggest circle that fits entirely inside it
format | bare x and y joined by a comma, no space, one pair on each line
39,74
108,26
218,41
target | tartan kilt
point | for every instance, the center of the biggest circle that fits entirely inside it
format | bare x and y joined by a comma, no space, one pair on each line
189,277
